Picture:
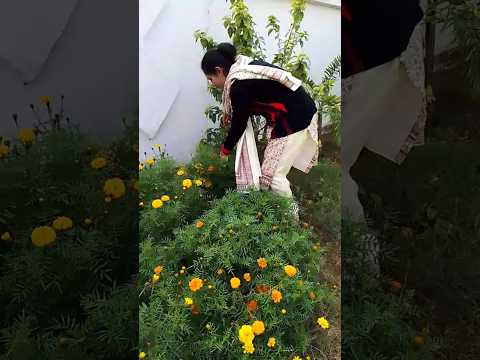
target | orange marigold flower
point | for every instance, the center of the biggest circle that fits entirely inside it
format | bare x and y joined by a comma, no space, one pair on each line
262,263
158,269
195,284
235,282
199,224
276,296
247,277
252,305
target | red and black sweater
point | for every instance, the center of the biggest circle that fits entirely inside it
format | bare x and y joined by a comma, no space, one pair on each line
285,110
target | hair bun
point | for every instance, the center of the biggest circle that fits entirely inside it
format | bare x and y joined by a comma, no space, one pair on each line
227,50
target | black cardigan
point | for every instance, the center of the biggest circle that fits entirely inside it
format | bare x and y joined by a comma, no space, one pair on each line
286,111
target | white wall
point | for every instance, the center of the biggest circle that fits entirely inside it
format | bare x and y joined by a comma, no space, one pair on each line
173,89
77,48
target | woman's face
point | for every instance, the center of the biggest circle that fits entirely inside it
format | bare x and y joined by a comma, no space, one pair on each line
218,78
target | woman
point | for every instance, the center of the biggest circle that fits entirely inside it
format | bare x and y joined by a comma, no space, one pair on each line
254,87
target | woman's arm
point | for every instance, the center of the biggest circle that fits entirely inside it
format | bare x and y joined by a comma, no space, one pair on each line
241,98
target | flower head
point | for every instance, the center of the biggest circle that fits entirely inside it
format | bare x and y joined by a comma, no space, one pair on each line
258,327
157,203
4,150
62,223
157,146
114,188
235,282
199,224
43,235
245,334
158,269
247,277
276,296
165,198
252,305
187,183
26,135
262,263
284,311
180,172
141,355
195,284
248,348
290,270
198,182
297,358
188,301
155,278
271,342
323,322
150,161
98,163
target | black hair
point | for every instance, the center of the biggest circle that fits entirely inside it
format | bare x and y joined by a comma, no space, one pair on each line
223,55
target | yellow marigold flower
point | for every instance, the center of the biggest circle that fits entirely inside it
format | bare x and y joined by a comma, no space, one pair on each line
98,163
45,100
284,311
158,269
180,172
235,282
271,342
258,327
195,284
157,146
114,188
140,166
198,182
62,223
26,135
199,224
276,296
141,355
6,236
323,322
188,301
165,198
187,183
247,277
43,235
248,348
290,270
297,358
157,203
150,161
245,334
262,263
155,278
4,150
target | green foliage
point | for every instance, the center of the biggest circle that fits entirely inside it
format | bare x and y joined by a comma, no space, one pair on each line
462,17
48,294
238,230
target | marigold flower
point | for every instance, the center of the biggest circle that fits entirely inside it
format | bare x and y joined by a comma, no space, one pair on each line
311,295
180,172
26,135
198,182
235,282
187,183
45,100
262,263
43,235
258,327
98,163
4,150
62,223
155,278
150,161
271,342
248,348
157,203
245,334
6,236
262,289
158,269
297,358
114,188
247,277
290,270
165,198
284,311
188,301
252,305
323,322
195,284
199,224
157,146
219,271
276,296
140,166
141,355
